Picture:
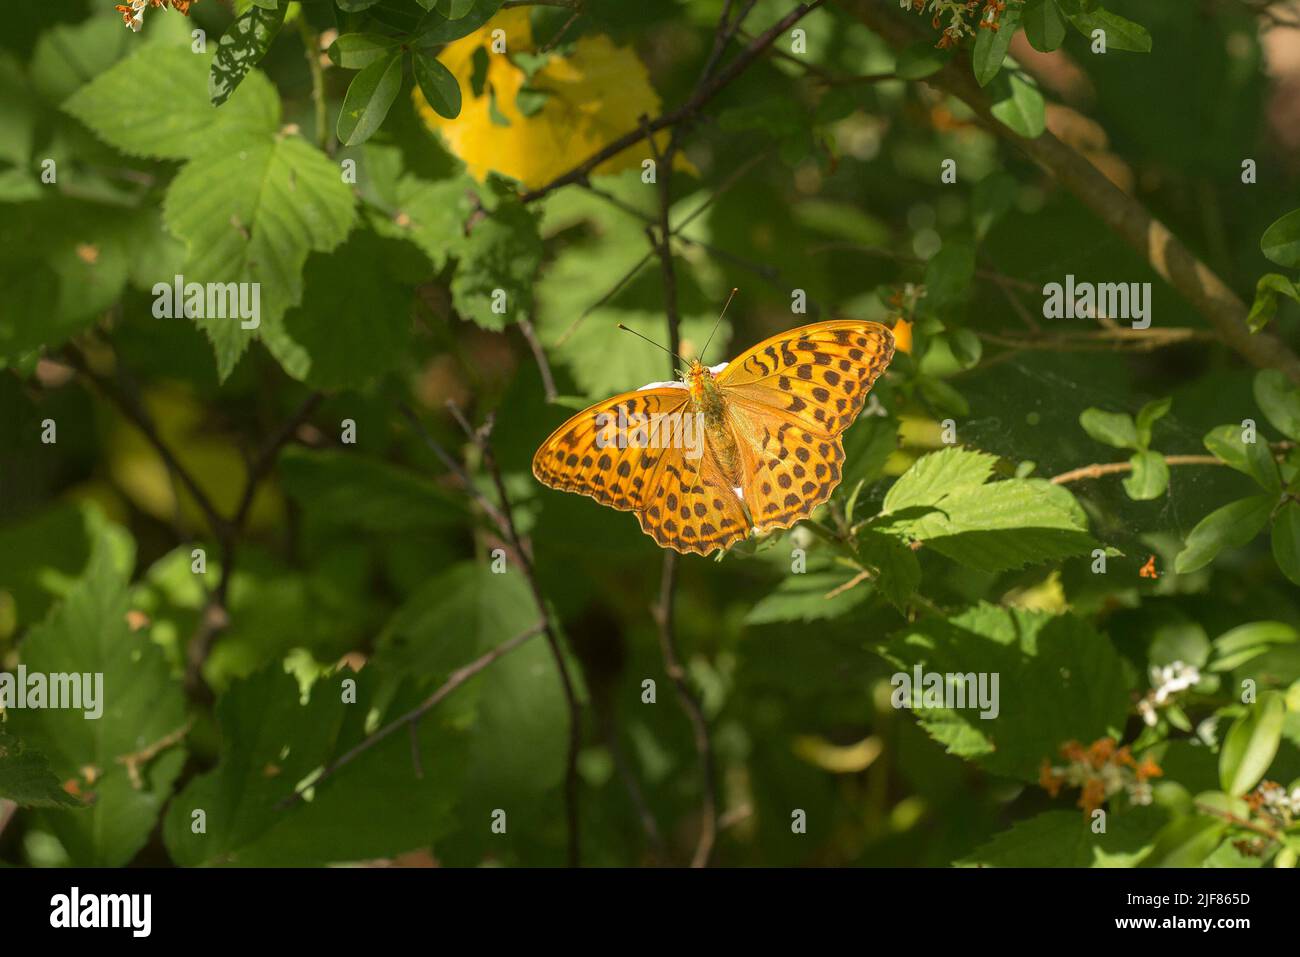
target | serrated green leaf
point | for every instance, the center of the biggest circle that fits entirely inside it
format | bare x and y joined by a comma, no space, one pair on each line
1251,744
26,778
1057,680
802,597
497,263
1066,839
253,215
369,98
1231,526
141,704
348,490
242,46
354,323
898,573
181,124
995,526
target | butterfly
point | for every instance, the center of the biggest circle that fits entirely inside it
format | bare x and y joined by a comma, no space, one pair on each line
745,446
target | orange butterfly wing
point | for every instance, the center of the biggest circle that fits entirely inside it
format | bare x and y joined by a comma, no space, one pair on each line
789,399
682,502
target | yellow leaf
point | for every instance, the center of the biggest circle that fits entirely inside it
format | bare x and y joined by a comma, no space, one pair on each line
593,96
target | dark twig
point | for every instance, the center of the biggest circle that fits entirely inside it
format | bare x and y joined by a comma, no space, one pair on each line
539,354
552,640
661,239
454,681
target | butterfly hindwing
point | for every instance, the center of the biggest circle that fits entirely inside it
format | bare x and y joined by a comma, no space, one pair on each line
695,509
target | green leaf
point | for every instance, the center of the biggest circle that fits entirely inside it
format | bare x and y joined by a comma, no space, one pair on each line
253,215
1250,458
1280,402
1057,679
272,744
1251,744
948,274
1024,112
431,215
354,323
498,261
356,51
1111,428
898,573
180,123
1234,648
1149,414
991,45
919,60
1044,25
446,31
1066,839
26,778
369,98
1149,478
1281,241
242,46
942,501
43,556
1121,34
1286,540
1229,527
356,6
802,597
1186,842
439,86
1267,289
518,721
349,490
140,703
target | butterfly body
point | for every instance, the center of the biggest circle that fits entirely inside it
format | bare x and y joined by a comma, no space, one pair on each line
745,446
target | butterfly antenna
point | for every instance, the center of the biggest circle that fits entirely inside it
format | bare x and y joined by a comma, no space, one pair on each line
703,351
653,343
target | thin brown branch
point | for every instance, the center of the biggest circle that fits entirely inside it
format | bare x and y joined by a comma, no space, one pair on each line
1125,216
702,95
138,759
1242,822
454,681
539,355
663,615
482,438
1097,470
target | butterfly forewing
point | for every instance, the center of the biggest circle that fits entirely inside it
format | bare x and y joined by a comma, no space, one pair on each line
816,376
789,399
590,454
